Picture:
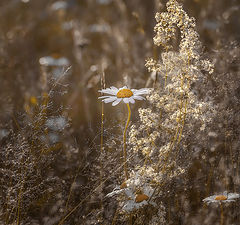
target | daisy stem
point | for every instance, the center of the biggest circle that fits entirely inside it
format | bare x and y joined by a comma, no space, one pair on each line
222,215
124,142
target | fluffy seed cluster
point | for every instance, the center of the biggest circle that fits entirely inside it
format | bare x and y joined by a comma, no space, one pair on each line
189,54
175,108
21,175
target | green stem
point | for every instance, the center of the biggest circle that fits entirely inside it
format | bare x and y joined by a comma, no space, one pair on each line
124,142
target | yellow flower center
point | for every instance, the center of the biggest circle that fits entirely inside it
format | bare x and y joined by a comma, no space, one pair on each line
123,185
141,197
124,93
220,197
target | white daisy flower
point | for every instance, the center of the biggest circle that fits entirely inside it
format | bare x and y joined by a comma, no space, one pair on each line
116,95
224,197
134,200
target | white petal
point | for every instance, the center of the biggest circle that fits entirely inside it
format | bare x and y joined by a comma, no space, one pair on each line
114,88
137,97
126,100
114,193
129,206
129,193
213,201
111,99
124,87
205,199
148,191
232,196
108,91
225,193
116,101
131,100
142,91
211,198
106,96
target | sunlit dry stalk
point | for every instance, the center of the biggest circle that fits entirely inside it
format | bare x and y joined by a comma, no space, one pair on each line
103,84
19,197
61,222
70,191
115,217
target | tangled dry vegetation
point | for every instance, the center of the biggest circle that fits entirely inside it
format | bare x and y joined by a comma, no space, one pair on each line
61,156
